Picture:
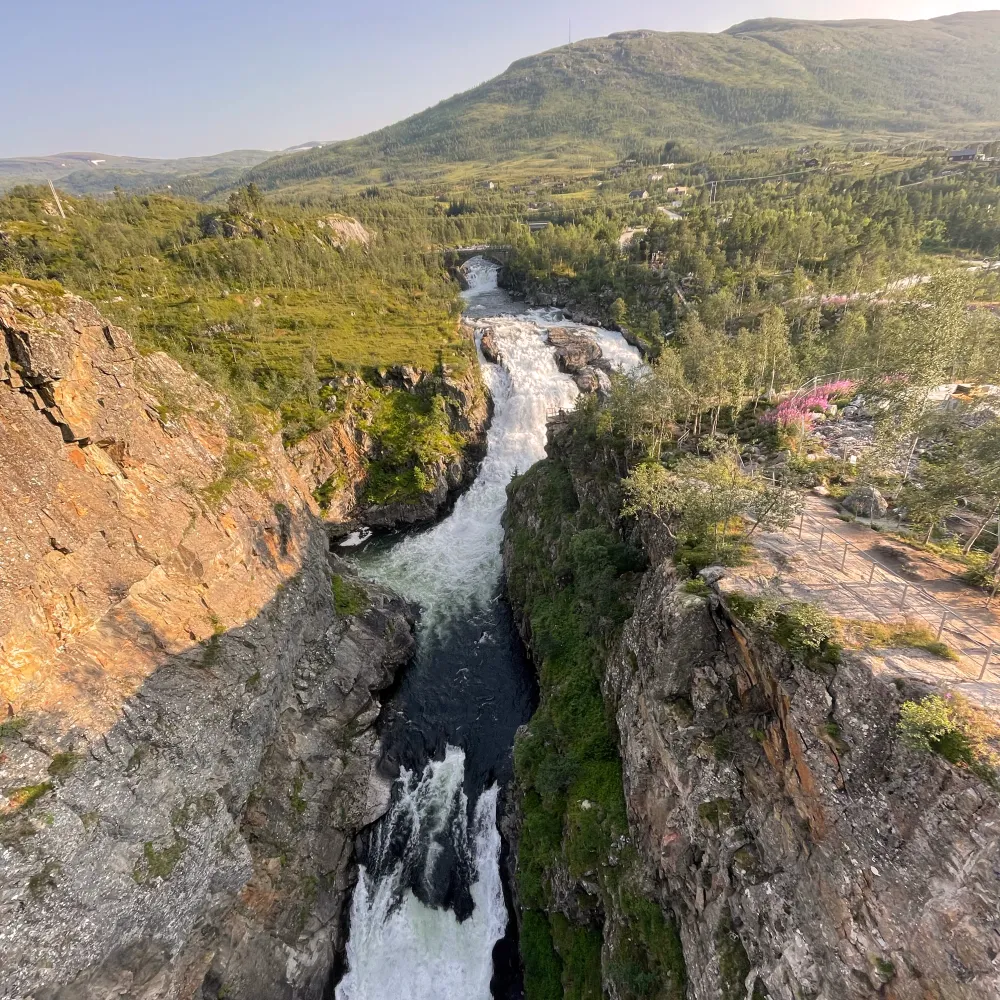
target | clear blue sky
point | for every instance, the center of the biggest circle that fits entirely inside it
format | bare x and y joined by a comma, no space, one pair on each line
186,77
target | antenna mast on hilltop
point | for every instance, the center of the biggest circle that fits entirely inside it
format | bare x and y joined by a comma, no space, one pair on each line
571,31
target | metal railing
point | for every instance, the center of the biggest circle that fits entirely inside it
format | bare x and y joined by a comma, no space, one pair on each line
903,597
817,380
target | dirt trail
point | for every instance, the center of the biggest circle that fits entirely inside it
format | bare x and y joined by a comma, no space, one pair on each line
857,573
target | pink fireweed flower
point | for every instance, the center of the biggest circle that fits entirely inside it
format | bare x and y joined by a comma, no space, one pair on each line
802,409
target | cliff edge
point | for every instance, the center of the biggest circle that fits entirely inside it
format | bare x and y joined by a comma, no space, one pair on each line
187,682
788,839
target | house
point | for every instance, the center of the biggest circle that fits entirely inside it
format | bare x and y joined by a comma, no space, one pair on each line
638,195
672,216
965,155
534,227
811,162
490,185
677,190
653,178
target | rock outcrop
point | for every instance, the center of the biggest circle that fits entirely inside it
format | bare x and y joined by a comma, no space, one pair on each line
187,684
488,344
799,845
336,462
573,351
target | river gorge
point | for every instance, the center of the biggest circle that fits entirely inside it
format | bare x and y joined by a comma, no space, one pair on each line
429,893
235,763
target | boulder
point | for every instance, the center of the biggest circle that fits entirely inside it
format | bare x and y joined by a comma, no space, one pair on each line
866,501
592,379
489,345
574,350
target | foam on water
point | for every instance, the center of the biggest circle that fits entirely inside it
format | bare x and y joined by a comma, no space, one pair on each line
406,940
398,946
456,564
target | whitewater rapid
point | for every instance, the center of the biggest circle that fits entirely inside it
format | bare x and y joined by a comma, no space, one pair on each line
406,939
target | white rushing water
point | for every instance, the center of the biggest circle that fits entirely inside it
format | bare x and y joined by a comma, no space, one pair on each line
399,946
457,562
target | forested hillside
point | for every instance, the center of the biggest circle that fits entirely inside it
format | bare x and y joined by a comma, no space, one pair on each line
604,98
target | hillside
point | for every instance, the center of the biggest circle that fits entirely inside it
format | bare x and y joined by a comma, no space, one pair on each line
770,80
96,173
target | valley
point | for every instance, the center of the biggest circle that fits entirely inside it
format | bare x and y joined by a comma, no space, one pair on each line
546,549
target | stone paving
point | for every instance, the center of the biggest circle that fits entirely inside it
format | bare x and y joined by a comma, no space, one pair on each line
857,573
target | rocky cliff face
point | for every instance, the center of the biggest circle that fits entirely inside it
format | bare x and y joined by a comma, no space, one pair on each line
187,684
362,469
799,846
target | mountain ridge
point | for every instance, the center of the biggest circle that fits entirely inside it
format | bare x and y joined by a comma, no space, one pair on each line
764,80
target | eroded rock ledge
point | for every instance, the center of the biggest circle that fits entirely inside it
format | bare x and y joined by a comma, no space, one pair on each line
188,684
359,480
802,849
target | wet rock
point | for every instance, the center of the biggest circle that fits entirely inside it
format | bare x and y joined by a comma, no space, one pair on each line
573,350
489,345
591,379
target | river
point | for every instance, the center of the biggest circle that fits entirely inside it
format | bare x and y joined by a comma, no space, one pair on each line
428,918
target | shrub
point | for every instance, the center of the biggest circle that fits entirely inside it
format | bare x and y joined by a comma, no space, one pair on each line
542,968
801,410
953,727
798,626
647,959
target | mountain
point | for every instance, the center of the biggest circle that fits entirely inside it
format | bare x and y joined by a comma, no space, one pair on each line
767,80
95,173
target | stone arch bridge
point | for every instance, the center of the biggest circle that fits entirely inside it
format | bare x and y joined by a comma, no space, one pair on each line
499,253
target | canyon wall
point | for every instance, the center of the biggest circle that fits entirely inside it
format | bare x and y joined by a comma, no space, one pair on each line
188,682
798,845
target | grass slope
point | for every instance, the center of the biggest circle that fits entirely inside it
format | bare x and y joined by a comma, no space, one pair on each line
758,81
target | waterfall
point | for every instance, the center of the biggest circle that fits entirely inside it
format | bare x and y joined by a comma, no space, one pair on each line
400,947
428,908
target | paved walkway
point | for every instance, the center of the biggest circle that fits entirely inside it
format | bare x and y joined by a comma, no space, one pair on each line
855,572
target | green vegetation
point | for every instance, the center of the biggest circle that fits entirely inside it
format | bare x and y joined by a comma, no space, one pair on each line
295,798
648,960
893,635
12,728
630,94
734,964
158,864
802,628
349,598
24,796
413,432
63,764
566,761
703,503
295,310
962,733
